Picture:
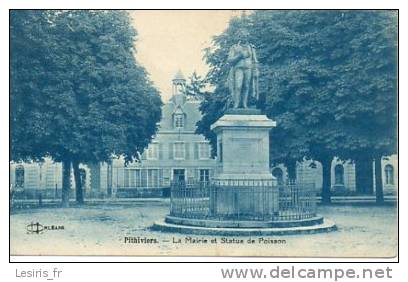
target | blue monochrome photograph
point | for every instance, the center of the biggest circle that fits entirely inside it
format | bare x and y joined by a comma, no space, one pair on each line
251,133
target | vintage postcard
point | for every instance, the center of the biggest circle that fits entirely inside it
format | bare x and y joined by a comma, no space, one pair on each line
257,133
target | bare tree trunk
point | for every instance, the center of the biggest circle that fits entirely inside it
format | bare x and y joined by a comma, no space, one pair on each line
291,167
326,186
379,193
66,182
109,178
364,175
79,195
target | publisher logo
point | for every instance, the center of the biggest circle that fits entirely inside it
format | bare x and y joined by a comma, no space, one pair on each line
35,228
38,228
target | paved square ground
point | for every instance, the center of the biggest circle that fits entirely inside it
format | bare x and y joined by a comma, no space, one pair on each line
100,229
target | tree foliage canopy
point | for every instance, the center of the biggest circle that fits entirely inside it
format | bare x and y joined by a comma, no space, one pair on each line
77,91
195,87
329,79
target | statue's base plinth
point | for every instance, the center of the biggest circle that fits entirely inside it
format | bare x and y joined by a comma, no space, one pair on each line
244,183
243,145
243,111
243,228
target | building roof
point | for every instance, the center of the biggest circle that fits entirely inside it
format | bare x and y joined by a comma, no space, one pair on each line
179,76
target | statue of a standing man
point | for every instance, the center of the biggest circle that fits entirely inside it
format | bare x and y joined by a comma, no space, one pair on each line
243,74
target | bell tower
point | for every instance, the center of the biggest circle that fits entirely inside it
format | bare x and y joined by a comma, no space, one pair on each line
179,84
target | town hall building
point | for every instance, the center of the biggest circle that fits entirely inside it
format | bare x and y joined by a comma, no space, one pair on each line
175,153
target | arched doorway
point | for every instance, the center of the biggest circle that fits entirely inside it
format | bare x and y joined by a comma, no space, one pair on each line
278,173
339,175
389,174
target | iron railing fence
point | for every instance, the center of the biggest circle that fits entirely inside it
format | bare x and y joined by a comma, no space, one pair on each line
260,200
297,201
190,199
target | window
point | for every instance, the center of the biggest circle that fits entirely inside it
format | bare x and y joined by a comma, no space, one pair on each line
178,120
179,150
132,178
338,175
126,178
153,178
389,174
20,176
204,175
143,178
179,175
278,173
203,150
152,151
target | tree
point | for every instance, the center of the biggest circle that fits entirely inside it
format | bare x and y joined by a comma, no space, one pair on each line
320,81
195,87
29,35
284,75
369,100
365,79
94,101
31,40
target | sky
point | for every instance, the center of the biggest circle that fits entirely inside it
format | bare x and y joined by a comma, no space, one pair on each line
171,40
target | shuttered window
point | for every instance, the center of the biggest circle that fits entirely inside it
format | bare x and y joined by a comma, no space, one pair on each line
179,151
171,155
204,151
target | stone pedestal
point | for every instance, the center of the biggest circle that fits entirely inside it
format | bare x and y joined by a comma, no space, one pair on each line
247,185
243,146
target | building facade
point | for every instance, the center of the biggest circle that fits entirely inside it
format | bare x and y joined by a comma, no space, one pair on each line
343,176
175,153
42,179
